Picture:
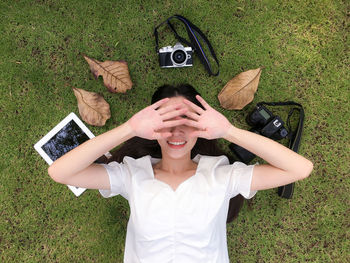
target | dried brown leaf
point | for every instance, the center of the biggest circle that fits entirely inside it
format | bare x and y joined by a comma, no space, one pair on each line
240,90
92,107
115,74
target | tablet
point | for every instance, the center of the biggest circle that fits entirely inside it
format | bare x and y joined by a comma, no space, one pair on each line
65,136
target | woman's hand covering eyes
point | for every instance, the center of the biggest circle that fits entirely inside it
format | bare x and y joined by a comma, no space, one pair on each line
209,123
149,122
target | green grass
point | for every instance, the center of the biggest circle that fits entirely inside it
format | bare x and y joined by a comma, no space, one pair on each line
304,48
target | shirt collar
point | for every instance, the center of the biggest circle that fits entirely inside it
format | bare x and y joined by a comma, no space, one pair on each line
156,160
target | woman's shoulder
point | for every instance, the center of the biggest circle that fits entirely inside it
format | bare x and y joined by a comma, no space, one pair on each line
218,164
211,160
209,165
130,161
137,166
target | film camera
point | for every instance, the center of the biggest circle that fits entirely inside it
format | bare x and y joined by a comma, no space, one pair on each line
179,56
263,123
175,57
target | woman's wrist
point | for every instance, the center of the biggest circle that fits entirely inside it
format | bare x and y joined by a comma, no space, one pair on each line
230,133
130,132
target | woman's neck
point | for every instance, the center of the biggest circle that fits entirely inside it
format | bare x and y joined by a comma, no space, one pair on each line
178,165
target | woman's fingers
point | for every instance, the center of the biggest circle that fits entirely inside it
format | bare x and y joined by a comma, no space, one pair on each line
196,108
192,115
159,103
173,123
193,124
161,135
173,114
198,133
203,102
168,108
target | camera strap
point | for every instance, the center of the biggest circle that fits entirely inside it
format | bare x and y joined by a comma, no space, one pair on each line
286,191
193,33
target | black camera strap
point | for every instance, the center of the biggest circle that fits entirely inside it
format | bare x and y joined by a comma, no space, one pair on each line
192,31
286,191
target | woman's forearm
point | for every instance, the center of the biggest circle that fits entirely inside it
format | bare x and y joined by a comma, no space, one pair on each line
85,154
77,165
272,152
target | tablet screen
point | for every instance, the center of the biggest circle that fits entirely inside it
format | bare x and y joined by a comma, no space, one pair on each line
66,139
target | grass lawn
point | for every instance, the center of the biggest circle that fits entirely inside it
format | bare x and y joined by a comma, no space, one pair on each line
304,49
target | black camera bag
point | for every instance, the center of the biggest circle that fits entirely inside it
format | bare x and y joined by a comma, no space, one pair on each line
285,191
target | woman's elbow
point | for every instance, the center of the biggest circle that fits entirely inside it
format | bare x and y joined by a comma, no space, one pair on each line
307,169
53,174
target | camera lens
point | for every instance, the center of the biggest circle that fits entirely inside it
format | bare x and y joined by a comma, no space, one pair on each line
179,56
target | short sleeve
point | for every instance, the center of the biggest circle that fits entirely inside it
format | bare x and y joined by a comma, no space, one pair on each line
117,174
242,175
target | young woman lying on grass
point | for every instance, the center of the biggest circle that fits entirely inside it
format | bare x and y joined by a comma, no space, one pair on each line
175,178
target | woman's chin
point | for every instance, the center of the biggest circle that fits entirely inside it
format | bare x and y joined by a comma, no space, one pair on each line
177,153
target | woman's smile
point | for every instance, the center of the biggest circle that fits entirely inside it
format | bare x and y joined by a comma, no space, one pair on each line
176,144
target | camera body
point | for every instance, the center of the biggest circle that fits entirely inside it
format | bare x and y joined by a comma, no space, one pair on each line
263,122
177,56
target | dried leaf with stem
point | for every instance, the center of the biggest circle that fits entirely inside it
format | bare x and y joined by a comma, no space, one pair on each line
115,74
93,108
240,90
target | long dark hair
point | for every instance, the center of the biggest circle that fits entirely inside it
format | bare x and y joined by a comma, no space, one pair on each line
138,147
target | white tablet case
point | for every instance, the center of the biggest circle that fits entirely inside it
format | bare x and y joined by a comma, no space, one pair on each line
48,148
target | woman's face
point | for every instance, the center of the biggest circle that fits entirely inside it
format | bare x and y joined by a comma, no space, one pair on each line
179,143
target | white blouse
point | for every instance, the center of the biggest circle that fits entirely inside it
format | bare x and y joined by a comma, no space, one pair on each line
186,225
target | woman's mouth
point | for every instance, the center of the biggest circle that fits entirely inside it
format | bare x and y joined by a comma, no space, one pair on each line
177,144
